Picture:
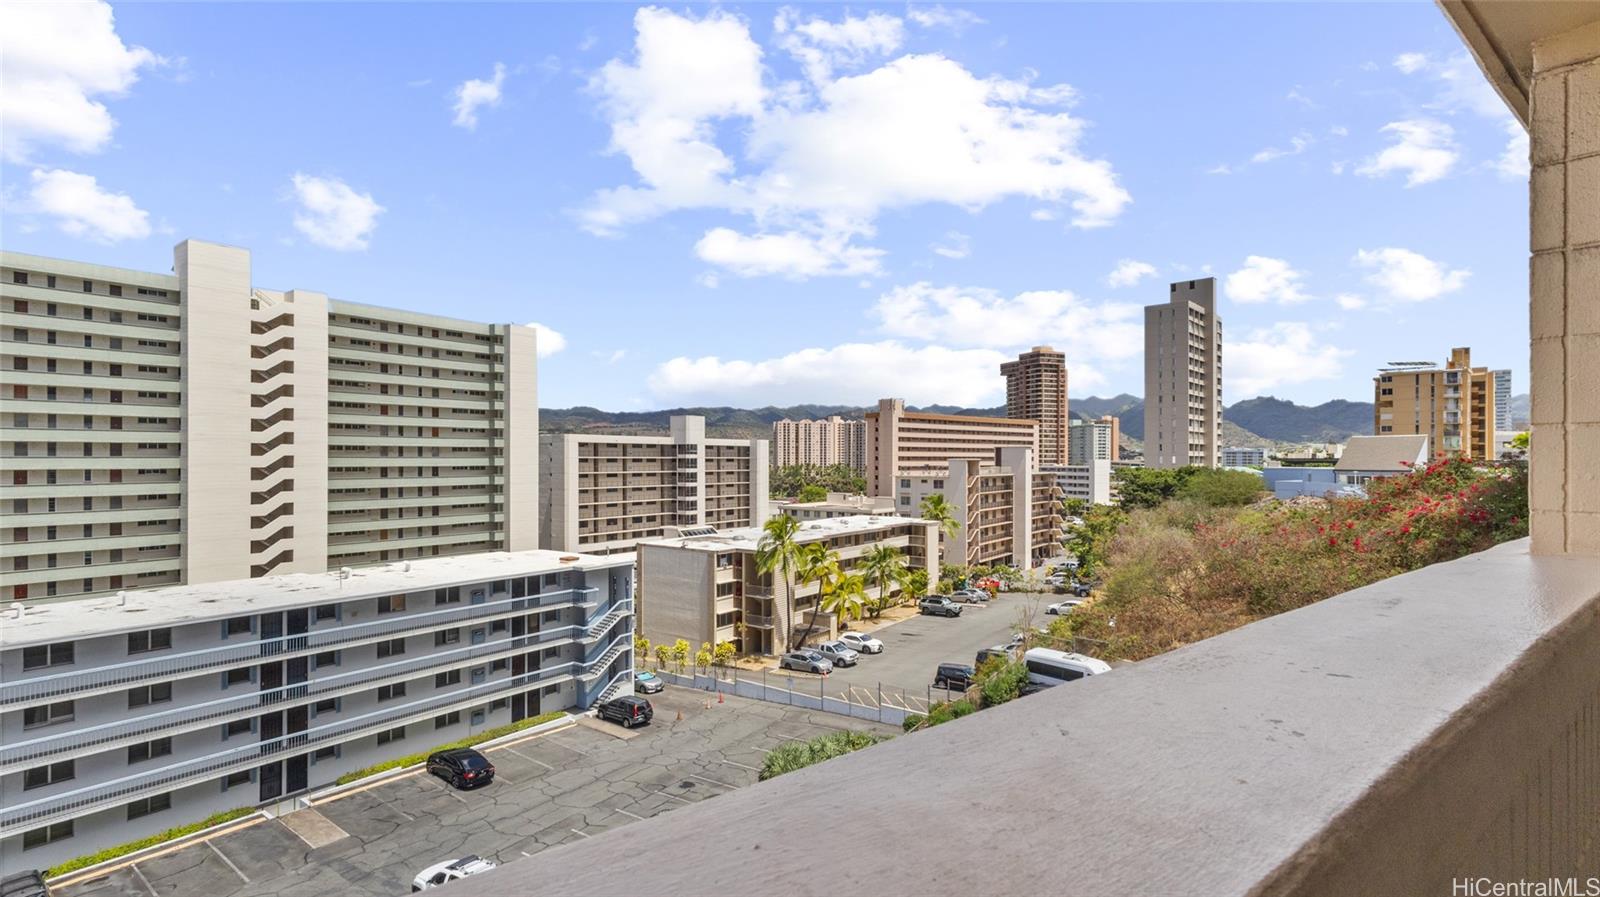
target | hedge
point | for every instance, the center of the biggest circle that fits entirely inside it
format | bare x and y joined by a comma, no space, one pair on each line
111,853
469,741
800,754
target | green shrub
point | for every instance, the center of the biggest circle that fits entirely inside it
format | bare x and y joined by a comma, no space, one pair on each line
1000,680
111,853
1223,488
469,741
912,721
800,754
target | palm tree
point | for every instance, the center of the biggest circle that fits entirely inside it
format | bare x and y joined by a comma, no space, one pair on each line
936,508
815,564
882,564
778,554
843,595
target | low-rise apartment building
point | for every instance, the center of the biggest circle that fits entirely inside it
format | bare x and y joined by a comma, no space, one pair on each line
125,715
707,588
602,494
820,443
1244,457
901,441
1455,406
1010,512
191,427
838,504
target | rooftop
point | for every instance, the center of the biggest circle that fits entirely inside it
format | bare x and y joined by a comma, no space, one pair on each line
52,621
1383,453
746,538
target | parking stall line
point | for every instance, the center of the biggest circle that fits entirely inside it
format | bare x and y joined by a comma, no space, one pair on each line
529,759
713,781
449,790
665,793
224,858
740,765
626,813
576,832
139,874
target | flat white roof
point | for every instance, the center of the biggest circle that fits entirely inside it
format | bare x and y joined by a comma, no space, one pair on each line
63,619
746,538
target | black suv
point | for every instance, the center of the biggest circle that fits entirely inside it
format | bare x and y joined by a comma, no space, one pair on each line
630,711
462,767
953,676
939,605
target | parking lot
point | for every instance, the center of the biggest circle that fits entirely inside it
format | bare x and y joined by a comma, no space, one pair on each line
549,789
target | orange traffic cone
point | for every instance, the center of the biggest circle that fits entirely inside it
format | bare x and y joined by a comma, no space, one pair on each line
719,697
680,716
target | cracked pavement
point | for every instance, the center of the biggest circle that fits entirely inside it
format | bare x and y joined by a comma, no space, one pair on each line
549,790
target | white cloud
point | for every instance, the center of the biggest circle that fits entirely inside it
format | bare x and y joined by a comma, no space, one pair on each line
547,341
1129,272
824,158
1297,145
957,246
332,215
790,254
1339,131
1264,279
1295,95
821,46
1350,301
1338,166
937,16
709,280
975,316
1043,215
474,94
59,57
1513,162
83,209
858,373
1409,63
616,356
1424,149
1222,168
1409,276
1284,354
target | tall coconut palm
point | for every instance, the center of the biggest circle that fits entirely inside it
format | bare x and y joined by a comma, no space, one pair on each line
815,564
778,554
843,595
882,565
936,508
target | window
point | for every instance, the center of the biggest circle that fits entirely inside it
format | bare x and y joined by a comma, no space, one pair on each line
499,704
446,637
238,727
390,692
390,604
327,612
447,719
325,659
39,837
478,717
235,779
150,640
391,647
19,277
239,676
236,626
138,753
116,289
498,626
144,695
38,656
331,752
549,690
447,678
326,705
88,286
479,635
47,714
451,595
155,803
499,665
392,735
40,776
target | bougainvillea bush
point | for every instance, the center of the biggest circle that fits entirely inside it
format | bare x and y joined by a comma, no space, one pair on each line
1181,571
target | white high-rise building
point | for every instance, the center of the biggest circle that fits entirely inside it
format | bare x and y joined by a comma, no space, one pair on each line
1183,377
820,443
192,427
1502,401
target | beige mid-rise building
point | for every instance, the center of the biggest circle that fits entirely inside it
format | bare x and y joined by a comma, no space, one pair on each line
1455,406
1036,389
1183,377
600,494
190,428
1089,440
901,441
820,443
1009,509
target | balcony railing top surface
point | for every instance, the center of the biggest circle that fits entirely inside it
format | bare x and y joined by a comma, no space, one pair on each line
1351,746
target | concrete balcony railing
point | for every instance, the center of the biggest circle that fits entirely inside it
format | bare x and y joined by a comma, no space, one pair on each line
1439,726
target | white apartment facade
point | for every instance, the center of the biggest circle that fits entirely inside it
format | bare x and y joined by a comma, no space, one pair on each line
124,716
602,494
1010,511
1089,440
1244,456
189,427
707,588
820,443
1090,481
1183,377
901,441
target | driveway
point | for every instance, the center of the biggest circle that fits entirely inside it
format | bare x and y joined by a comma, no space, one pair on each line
549,789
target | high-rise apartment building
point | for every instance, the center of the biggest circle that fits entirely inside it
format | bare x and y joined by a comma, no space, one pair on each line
1502,401
1089,440
1036,389
601,494
1183,377
190,428
1455,406
820,443
901,441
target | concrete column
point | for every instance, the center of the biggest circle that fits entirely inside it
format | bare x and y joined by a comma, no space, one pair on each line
520,498
1564,451
310,427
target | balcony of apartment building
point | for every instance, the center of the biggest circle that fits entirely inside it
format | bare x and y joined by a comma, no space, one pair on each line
1435,729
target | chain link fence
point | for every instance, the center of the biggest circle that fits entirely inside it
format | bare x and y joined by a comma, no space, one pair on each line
879,701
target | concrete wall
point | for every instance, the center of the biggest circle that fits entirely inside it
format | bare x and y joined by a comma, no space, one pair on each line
520,498
677,592
310,427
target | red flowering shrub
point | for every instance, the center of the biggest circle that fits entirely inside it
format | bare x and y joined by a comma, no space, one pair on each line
1181,572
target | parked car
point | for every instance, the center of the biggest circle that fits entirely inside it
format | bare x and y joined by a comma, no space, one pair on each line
938,605
462,767
450,870
1057,580
647,683
838,653
1082,587
1063,607
1050,667
805,662
1006,652
862,642
630,711
954,676
971,596
1031,687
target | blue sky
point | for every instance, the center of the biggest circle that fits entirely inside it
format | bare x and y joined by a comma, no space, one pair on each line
755,204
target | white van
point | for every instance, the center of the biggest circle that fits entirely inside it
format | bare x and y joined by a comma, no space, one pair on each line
1048,667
